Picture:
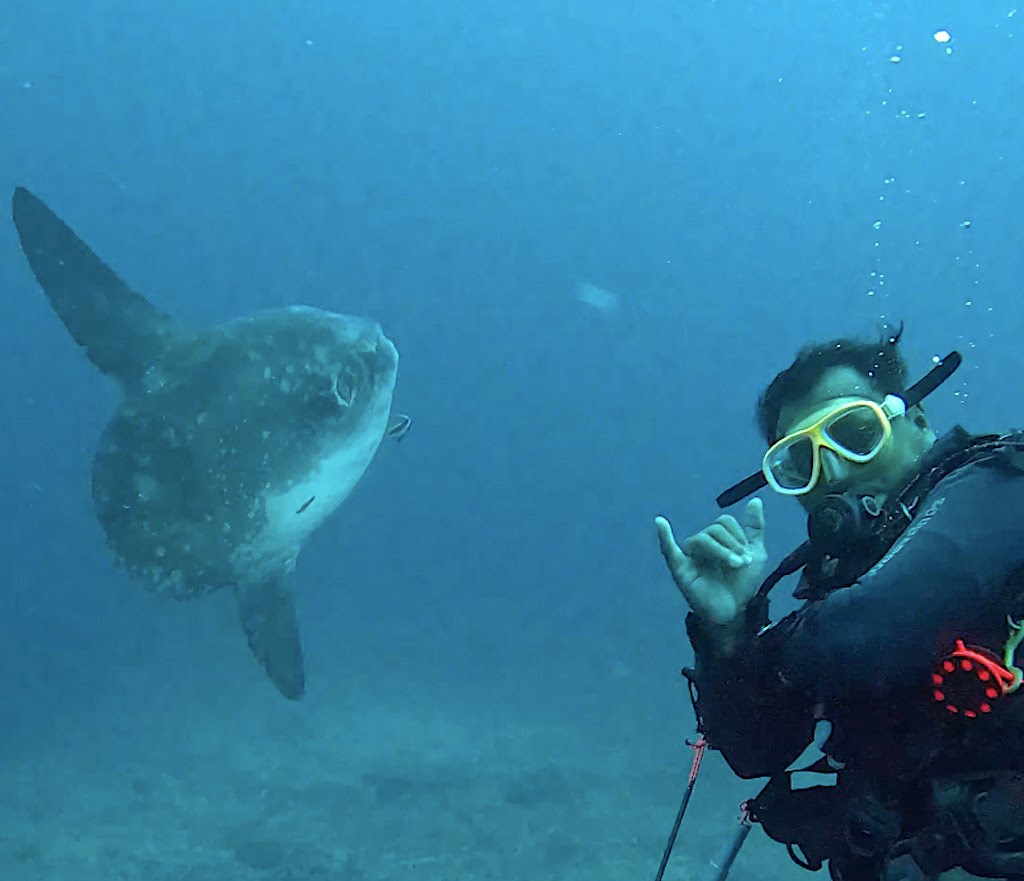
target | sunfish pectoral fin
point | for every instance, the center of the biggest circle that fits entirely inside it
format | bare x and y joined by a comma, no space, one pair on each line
398,426
120,331
267,610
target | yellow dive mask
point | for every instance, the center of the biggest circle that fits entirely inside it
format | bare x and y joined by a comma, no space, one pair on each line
857,431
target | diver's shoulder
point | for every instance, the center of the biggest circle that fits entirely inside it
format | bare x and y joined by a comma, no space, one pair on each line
964,458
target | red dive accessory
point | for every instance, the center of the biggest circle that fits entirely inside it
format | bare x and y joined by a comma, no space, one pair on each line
970,679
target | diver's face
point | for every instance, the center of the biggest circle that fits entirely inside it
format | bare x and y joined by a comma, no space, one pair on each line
911,437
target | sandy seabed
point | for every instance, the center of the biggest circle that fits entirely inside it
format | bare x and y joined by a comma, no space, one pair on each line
236,787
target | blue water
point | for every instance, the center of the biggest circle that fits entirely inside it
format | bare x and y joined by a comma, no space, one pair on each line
492,644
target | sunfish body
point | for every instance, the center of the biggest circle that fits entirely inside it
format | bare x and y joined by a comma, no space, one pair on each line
231,444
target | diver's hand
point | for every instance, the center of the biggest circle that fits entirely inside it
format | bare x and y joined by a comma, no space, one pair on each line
718,570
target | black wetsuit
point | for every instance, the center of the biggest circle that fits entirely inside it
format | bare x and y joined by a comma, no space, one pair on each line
862,656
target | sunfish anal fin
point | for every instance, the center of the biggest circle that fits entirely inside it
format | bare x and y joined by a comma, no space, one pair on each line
267,610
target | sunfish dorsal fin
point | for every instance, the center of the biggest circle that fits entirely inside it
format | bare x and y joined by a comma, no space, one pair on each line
121,332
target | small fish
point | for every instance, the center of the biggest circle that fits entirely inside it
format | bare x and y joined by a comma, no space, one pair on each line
398,426
305,504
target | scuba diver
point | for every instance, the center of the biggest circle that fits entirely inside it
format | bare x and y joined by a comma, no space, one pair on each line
893,686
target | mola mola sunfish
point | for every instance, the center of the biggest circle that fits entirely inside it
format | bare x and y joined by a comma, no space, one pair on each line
230,444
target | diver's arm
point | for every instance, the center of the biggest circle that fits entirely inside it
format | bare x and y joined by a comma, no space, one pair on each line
748,713
758,723
958,571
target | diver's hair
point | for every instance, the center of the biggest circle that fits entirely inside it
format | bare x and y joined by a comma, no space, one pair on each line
879,360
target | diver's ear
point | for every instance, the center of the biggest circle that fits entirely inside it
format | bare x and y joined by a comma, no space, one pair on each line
921,425
919,417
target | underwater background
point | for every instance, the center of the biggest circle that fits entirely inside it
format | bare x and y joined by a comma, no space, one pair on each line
595,231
